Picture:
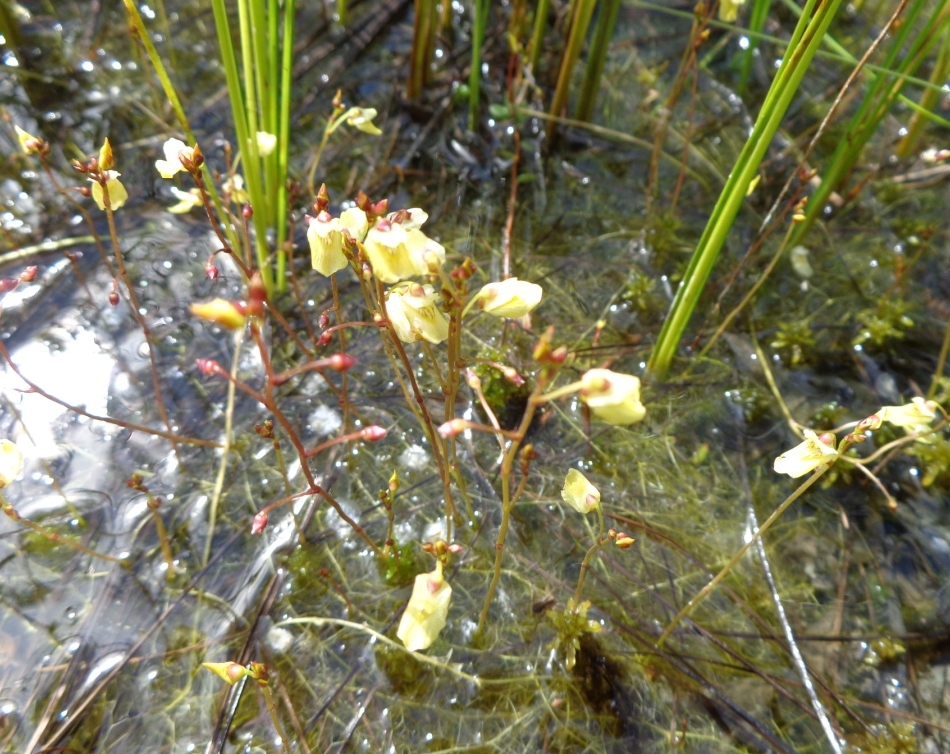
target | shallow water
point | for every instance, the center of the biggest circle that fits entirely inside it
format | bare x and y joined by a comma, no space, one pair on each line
100,657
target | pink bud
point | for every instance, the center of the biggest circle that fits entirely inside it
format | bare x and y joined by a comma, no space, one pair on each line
340,362
247,211
323,321
324,340
259,523
29,274
211,270
208,367
8,284
513,377
373,433
114,298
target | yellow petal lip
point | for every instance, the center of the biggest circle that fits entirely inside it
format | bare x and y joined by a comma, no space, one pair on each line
579,493
509,298
11,462
806,456
612,397
914,414
114,188
427,611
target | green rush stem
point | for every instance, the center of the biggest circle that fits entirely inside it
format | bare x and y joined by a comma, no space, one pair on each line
597,57
941,363
581,12
52,535
805,42
272,709
139,318
585,564
283,138
479,22
507,503
706,590
537,34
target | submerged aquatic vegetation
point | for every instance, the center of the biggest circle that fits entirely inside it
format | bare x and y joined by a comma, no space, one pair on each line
386,436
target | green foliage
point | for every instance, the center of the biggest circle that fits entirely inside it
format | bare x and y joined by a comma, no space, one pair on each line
883,323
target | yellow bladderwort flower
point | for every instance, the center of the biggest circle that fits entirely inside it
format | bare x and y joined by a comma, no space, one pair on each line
579,493
325,235
398,251
11,462
29,143
225,313
427,611
266,142
234,188
116,191
175,150
729,10
916,414
612,397
187,200
415,315
509,298
361,118
807,456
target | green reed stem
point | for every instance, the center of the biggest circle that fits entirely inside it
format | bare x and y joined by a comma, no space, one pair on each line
805,41
582,10
479,22
928,100
599,46
760,12
905,55
537,34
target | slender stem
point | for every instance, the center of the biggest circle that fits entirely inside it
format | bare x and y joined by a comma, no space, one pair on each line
272,709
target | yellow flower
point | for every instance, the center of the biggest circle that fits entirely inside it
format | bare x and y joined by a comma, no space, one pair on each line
28,143
807,456
11,462
509,298
325,235
414,314
174,150
265,143
114,188
917,413
729,10
361,118
427,611
579,493
187,200
397,254
612,397
221,312
234,188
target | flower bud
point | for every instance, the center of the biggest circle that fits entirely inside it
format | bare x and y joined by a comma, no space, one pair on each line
259,523
510,298
211,270
114,298
106,158
373,433
453,428
623,541
340,362
227,314
229,672
31,144
324,339
323,321
209,367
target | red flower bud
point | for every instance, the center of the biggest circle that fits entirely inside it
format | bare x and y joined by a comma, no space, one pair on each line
324,340
247,211
259,523
114,298
29,274
211,270
8,284
340,362
323,321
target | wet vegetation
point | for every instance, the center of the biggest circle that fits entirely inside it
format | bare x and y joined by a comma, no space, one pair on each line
166,518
